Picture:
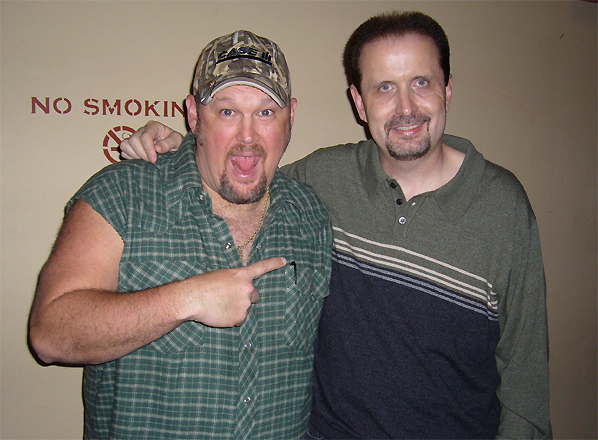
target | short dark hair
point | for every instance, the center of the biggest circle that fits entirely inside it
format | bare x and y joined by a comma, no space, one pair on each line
393,24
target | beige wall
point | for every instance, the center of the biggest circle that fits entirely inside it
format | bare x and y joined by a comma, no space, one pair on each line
524,92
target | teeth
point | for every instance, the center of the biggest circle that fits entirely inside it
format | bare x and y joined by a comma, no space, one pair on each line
411,127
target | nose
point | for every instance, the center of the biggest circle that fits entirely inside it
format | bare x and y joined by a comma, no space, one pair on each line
247,132
406,103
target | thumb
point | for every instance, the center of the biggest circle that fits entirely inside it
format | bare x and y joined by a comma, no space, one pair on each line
261,268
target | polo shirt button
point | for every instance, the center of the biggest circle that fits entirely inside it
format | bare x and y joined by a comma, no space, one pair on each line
393,185
399,202
201,197
402,220
228,245
248,345
247,399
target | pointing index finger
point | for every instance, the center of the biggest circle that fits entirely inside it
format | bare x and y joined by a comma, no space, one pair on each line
261,268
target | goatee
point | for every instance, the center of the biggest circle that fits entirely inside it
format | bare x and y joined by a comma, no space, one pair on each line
404,152
229,193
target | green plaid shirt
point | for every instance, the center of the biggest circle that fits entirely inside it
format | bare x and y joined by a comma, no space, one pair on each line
252,381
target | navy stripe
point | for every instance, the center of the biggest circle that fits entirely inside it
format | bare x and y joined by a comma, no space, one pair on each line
413,282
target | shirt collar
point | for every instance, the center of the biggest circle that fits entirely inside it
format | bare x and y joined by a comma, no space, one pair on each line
453,198
283,198
375,178
183,173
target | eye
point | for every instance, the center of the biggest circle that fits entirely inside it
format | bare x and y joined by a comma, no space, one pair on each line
385,87
267,112
227,112
421,82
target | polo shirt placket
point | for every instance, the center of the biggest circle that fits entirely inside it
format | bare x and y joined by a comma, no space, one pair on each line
404,210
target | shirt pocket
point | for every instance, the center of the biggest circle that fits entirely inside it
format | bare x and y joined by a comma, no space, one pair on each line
141,275
305,293
187,335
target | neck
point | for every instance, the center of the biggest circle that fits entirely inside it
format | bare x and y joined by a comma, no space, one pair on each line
425,174
244,221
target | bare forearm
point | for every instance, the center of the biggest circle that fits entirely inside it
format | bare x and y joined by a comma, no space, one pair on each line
95,326
78,318
87,326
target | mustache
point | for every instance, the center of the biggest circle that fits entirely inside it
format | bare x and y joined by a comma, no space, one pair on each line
254,149
401,120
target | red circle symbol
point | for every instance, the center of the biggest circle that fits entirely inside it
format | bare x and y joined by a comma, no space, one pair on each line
113,139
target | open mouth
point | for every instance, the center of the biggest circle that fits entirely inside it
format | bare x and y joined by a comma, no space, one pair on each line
244,160
244,164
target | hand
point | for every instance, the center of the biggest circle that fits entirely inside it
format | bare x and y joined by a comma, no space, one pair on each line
149,140
222,298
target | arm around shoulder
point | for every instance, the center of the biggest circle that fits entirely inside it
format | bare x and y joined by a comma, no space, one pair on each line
150,140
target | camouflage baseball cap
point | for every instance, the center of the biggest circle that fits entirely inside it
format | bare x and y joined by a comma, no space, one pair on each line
242,58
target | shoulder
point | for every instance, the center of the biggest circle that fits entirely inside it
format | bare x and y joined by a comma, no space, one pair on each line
299,193
499,180
327,165
346,153
342,151
131,172
494,180
492,187
302,204
507,193
122,188
122,177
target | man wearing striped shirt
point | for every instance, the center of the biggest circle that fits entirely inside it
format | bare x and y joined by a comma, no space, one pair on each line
435,326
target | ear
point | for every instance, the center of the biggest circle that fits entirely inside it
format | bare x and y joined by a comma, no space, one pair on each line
358,103
293,106
448,93
191,112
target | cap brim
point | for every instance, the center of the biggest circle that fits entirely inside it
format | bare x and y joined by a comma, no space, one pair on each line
207,95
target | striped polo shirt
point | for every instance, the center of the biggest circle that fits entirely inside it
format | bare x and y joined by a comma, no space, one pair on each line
435,326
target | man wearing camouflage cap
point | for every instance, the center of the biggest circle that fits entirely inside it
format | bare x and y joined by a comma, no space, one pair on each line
153,281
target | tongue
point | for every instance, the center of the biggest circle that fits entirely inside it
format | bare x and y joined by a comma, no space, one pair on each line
244,163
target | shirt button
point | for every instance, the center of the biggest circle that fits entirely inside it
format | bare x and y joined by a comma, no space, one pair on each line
399,202
201,197
228,245
402,220
393,185
248,345
258,246
247,399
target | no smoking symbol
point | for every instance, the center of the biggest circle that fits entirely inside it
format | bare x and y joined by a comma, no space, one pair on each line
113,139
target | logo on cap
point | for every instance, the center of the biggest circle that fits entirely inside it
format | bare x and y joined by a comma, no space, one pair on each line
245,52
